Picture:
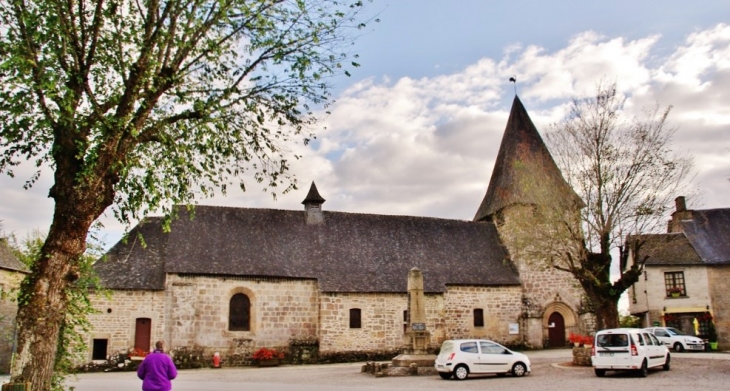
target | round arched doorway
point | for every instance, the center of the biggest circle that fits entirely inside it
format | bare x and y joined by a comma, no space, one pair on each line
557,319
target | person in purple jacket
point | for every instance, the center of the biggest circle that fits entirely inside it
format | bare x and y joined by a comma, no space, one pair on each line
157,370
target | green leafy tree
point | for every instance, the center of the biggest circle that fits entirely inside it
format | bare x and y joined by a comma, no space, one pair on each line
628,176
139,105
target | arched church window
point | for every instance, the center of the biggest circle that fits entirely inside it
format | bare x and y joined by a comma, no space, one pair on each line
239,314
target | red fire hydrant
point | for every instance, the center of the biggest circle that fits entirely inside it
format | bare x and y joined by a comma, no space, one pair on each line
216,360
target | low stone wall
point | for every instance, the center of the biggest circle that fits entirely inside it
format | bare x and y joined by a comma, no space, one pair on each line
582,356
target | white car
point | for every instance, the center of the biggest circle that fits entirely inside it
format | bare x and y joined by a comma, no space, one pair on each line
628,349
461,357
676,339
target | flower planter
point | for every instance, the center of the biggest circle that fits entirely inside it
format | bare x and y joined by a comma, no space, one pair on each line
675,294
713,345
274,362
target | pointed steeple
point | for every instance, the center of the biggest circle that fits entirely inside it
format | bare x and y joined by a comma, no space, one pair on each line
313,205
525,172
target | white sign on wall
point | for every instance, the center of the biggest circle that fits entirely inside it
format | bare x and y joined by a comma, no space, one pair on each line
514,328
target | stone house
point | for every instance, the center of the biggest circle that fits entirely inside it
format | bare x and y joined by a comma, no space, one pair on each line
685,273
12,272
232,279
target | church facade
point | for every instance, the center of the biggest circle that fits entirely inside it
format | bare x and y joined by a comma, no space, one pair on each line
230,280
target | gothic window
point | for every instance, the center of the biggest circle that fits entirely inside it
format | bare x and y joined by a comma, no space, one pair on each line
355,319
674,284
239,314
478,317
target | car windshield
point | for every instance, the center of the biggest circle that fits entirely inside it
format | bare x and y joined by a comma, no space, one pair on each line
673,331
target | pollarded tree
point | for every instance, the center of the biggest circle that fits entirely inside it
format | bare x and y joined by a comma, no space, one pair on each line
627,174
141,104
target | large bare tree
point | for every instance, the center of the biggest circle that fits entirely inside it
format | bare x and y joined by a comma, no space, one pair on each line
141,104
626,172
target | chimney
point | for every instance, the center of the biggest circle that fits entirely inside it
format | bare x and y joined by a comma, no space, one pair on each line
681,213
313,206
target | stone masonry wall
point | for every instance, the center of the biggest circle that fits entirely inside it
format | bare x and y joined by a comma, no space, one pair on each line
280,309
718,277
501,305
9,282
117,316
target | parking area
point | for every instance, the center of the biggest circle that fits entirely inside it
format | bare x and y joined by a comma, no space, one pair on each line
689,371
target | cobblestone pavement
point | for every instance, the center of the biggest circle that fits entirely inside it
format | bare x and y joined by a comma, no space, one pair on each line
701,371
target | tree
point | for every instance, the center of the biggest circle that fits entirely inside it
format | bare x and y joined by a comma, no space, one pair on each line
627,174
140,105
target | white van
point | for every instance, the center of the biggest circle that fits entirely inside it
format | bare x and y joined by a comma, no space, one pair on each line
628,350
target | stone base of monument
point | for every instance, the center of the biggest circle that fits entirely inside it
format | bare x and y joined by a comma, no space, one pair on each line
421,360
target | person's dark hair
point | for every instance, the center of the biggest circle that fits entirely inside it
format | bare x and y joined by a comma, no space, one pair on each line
160,345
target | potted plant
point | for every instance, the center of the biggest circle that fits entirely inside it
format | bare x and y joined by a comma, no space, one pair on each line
266,357
712,335
575,339
675,291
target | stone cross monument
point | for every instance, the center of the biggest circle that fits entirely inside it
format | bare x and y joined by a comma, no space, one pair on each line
418,337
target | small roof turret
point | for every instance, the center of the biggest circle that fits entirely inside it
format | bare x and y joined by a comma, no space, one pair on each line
313,196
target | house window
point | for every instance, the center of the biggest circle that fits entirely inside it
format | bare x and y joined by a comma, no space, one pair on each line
239,313
405,321
355,320
674,284
478,317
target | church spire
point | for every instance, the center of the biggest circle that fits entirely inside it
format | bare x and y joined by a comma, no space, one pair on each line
525,172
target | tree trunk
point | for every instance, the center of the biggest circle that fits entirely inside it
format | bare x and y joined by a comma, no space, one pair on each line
43,303
607,316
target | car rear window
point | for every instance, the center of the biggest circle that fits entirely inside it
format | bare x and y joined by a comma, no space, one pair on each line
612,340
447,347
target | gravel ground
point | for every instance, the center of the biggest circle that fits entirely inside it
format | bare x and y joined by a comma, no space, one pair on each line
689,371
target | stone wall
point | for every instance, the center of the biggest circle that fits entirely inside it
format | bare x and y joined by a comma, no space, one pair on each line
9,282
718,277
117,314
501,305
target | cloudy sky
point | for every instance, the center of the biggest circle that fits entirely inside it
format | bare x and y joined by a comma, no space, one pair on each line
416,129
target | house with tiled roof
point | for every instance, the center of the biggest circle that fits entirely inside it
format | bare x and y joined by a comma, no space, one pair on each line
686,273
230,280
12,271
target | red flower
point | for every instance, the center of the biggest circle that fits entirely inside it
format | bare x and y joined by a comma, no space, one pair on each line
267,354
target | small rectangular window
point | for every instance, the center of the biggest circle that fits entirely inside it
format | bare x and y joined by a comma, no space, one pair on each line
355,320
674,284
98,350
478,317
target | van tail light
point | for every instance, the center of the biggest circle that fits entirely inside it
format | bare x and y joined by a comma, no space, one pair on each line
634,352
451,356
593,350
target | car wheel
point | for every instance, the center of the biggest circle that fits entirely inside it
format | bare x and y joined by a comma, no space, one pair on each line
666,364
461,372
600,372
519,369
644,371
445,375
678,347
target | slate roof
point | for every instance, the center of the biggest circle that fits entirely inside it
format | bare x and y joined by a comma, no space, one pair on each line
525,172
667,249
709,233
705,240
348,252
8,261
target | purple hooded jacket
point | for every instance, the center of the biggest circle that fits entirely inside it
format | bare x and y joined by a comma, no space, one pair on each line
156,371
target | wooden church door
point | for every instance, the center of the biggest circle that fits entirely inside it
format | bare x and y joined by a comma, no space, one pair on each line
556,330
142,334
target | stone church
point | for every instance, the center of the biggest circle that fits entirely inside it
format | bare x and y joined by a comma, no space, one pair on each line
227,277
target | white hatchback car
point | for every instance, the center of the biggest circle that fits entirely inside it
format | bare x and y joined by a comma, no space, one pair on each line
628,350
461,357
676,339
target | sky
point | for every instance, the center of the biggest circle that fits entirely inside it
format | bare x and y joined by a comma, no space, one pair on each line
415,130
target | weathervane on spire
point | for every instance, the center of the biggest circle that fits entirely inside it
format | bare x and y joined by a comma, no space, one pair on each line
513,79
